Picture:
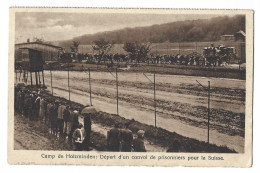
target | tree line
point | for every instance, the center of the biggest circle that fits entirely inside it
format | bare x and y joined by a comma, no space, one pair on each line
180,31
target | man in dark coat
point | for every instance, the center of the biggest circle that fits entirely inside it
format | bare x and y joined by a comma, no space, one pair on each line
66,115
87,127
126,139
31,107
73,122
138,143
53,118
26,104
113,138
37,107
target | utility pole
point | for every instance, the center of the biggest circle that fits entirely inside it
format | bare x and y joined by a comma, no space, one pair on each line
208,88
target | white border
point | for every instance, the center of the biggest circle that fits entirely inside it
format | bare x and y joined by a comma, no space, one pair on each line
231,4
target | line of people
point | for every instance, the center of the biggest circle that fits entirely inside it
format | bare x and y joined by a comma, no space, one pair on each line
122,139
60,119
63,121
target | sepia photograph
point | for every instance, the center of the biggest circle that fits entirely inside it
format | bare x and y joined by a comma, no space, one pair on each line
129,81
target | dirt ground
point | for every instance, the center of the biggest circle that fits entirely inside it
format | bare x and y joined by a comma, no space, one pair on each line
181,102
34,135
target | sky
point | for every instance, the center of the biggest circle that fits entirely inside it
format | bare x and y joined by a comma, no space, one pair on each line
64,26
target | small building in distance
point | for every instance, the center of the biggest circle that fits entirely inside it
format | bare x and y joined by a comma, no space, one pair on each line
240,36
227,38
49,52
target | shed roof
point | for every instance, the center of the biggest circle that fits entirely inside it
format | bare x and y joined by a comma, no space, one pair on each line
45,44
31,49
227,35
241,32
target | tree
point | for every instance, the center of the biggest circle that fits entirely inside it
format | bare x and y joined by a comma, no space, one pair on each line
137,51
74,49
103,47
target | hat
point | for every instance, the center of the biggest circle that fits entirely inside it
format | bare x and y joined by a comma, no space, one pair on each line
140,133
75,111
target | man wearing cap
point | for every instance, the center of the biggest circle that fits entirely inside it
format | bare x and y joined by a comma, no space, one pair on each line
126,137
113,138
138,143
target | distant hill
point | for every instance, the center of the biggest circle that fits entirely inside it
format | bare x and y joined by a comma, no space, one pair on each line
180,31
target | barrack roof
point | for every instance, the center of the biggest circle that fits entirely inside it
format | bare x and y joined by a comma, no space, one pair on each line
45,44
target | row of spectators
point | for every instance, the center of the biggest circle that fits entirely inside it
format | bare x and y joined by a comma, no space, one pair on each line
64,122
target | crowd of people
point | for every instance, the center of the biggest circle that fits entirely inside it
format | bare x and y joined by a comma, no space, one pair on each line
63,121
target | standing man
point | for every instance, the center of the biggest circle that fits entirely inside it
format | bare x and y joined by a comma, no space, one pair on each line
66,115
31,107
53,118
42,109
60,125
126,139
87,127
74,122
138,143
37,106
26,103
113,138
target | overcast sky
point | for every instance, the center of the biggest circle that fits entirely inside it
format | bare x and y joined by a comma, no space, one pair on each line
63,26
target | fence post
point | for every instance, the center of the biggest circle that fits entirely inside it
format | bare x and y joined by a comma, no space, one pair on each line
16,75
69,81
31,78
43,79
154,100
51,83
208,107
179,47
117,92
89,81
36,79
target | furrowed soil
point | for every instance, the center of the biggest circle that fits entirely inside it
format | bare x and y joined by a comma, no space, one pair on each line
181,102
29,133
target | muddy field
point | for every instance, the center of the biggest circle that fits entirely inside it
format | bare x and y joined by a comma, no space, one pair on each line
34,135
181,102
